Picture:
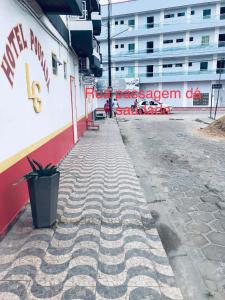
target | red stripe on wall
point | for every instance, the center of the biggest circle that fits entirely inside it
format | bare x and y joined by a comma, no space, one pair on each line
82,124
81,127
13,198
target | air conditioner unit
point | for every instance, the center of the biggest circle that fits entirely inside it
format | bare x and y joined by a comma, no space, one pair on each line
88,79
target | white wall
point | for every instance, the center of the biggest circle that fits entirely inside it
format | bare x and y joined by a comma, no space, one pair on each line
20,125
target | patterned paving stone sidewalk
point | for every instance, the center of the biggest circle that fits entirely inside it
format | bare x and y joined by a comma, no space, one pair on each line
105,245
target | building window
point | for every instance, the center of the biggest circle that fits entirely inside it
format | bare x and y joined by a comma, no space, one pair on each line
203,101
116,23
220,67
131,71
116,46
65,69
221,40
222,13
131,47
122,46
54,64
149,71
121,22
150,47
190,64
168,42
117,68
205,40
122,68
179,40
192,12
181,14
169,16
191,39
150,22
179,65
203,66
165,66
131,23
206,13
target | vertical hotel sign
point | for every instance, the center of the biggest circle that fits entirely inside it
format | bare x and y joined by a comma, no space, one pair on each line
15,44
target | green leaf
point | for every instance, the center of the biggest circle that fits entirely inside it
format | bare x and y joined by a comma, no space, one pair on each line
48,166
53,169
30,175
39,170
39,165
19,181
26,177
31,164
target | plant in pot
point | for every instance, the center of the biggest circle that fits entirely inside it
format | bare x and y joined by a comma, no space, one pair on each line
43,186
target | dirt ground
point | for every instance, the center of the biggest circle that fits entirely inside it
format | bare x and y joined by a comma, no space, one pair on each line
216,129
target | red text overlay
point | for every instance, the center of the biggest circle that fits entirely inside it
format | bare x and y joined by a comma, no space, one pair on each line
145,94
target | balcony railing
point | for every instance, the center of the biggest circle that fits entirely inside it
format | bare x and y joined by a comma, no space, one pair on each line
167,74
177,73
151,51
183,21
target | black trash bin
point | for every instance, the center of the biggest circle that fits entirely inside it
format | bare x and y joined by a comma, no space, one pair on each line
43,192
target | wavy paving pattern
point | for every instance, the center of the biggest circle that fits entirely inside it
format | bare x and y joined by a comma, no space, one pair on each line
105,245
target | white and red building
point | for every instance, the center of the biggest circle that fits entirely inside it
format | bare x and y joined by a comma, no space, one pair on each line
48,56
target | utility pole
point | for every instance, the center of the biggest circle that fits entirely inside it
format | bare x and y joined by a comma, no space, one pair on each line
210,115
218,94
109,59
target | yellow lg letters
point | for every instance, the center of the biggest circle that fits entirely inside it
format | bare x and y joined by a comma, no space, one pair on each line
31,91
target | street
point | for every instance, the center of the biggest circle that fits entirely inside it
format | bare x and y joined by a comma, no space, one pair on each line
182,173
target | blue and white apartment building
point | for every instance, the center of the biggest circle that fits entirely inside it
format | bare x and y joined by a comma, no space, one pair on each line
168,45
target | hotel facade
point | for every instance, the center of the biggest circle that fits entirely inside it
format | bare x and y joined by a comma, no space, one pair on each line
167,46
49,54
